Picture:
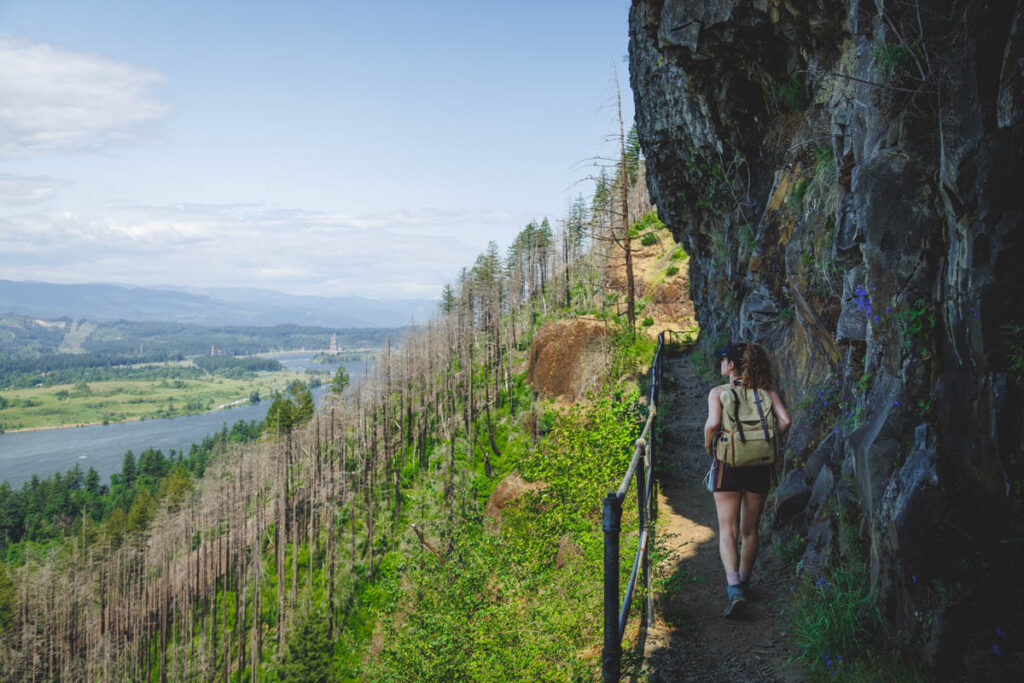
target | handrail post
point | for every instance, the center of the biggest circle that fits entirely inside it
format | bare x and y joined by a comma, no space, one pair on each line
611,653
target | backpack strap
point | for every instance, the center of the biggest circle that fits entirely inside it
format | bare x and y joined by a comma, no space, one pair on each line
736,415
760,413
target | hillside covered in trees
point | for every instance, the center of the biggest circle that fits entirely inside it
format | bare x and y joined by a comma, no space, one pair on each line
437,522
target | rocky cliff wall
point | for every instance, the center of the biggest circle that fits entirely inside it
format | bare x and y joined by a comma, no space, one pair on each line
848,178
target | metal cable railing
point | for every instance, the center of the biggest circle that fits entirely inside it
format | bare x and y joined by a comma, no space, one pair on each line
641,468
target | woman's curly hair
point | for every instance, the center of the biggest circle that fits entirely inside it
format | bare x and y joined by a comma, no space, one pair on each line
756,368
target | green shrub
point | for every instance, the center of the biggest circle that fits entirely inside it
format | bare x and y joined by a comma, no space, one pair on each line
679,254
893,60
796,195
836,620
671,270
649,239
648,321
649,221
824,158
917,324
792,94
789,552
307,652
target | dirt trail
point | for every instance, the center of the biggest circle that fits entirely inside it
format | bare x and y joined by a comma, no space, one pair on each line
690,640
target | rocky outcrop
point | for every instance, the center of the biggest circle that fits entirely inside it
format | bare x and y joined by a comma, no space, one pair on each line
567,358
847,180
508,490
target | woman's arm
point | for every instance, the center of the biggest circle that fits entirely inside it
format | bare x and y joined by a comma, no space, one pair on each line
714,420
781,416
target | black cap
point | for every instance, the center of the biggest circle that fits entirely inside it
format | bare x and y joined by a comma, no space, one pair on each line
733,352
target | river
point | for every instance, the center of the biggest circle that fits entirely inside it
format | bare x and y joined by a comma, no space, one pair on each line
46,451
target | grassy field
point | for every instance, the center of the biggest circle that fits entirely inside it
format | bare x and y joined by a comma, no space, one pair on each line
117,401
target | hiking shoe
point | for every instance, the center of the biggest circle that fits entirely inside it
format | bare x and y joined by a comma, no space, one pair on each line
736,601
745,588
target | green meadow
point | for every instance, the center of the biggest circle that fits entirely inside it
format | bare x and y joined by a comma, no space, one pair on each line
83,403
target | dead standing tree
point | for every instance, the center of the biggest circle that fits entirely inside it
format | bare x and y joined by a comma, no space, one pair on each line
618,203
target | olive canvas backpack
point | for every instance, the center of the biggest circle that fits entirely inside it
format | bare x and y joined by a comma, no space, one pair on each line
748,436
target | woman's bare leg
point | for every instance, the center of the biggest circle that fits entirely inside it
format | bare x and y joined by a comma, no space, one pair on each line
752,505
727,504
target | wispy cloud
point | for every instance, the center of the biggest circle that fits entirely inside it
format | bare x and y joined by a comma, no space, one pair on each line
55,99
19,190
402,254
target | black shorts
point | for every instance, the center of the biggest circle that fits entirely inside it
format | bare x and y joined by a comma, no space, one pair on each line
754,479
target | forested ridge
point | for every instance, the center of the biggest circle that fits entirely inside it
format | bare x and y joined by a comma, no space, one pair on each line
60,351
43,513
358,546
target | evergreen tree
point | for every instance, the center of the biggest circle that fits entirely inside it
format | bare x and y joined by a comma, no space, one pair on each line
8,600
632,153
307,658
291,410
448,299
128,472
576,226
12,516
280,418
92,481
305,407
340,379
117,524
602,200
152,464
142,512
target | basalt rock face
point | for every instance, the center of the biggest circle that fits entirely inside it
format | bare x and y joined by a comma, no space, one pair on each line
849,183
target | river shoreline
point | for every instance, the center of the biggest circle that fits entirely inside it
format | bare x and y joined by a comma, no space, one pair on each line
218,409
41,452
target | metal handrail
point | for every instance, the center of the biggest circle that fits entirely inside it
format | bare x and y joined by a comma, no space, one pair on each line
616,614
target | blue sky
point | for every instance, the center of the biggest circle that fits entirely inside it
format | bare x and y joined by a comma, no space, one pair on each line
336,148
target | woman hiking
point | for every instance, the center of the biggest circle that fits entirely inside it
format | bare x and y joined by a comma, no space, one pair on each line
739,489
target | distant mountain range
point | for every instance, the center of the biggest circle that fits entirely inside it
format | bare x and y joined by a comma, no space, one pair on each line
214,306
